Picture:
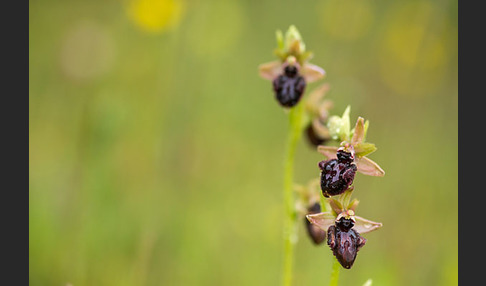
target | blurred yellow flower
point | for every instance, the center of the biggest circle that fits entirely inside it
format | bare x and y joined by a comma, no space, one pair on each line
155,16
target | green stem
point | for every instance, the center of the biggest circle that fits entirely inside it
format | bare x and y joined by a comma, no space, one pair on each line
290,226
335,273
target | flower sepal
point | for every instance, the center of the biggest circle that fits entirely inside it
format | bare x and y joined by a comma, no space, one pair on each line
325,219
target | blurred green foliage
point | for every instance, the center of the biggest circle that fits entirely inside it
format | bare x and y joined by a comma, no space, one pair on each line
156,151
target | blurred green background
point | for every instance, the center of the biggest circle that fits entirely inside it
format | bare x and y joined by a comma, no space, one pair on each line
156,150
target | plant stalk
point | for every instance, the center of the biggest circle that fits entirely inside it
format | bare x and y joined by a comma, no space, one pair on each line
290,226
335,273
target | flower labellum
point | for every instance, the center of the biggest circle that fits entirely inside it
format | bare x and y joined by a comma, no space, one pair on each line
337,174
312,136
344,230
289,86
344,241
315,232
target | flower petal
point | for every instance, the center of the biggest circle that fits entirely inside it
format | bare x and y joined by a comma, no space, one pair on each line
312,73
305,56
323,110
328,151
363,225
270,70
358,134
280,40
353,205
336,206
316,96
322,220
320,129
368,167
364,148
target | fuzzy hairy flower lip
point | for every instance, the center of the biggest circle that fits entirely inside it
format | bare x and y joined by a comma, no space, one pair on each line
337,174
290,78
289,88
315,135
316,234
345,242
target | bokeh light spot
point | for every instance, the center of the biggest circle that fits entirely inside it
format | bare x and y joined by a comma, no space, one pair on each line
87,51
155,16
